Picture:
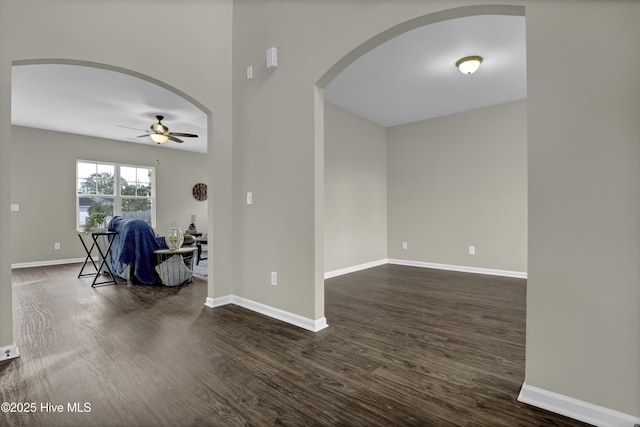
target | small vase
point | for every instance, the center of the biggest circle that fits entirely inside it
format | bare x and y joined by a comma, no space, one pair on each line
174,238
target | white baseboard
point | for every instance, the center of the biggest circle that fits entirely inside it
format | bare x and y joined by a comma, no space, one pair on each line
460,268
218,302
574,408
48,263
8,352
352,269
276,313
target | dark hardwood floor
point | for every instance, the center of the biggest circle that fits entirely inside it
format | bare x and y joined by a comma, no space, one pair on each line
406,346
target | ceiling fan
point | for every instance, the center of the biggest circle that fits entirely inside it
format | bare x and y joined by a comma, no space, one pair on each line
159,133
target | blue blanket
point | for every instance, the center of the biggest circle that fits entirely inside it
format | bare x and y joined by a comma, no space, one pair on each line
133,245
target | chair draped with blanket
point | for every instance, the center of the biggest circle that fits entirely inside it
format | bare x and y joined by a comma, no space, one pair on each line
132,251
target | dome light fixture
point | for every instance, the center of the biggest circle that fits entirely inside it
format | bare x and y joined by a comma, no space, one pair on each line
158,138
469,64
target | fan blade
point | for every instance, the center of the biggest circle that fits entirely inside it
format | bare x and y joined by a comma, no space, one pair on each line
187,135
127,127
142,136
173,138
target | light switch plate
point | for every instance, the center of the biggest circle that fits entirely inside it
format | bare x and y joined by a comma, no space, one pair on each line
272,58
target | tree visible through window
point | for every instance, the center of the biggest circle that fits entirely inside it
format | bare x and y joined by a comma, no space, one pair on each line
105,190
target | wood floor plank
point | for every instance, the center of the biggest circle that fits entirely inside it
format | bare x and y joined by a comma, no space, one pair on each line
407,346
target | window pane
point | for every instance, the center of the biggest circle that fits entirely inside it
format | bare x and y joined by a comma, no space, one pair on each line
86,169
128,173
95,178
144,175
135,181
105,169
139,208
127,181
96,206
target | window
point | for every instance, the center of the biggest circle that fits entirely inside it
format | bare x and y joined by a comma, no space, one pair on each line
106,189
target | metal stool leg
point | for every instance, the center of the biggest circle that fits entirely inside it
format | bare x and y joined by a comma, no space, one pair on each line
87,258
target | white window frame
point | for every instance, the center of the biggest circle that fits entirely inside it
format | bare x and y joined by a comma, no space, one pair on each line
117,196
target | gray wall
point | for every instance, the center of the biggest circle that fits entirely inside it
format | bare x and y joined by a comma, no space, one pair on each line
460,180
43,184
355,190
583,292
278,110
441,189
583,159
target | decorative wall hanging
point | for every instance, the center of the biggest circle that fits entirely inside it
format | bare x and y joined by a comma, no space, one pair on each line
200,191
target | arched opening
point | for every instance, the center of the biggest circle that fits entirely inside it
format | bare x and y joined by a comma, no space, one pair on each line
115,69
148,155
322,133
321,130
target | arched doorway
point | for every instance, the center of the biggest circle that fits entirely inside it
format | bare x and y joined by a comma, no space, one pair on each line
66,234
453,15
373,43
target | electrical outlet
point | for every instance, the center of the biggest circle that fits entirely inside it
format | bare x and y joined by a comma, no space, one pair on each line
56,246
274,278
404,245
472,250
249,198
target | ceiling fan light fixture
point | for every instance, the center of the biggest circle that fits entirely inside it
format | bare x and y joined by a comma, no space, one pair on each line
469,64
158,128
159,133
158,138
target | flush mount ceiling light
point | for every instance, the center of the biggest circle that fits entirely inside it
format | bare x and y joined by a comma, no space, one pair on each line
469,64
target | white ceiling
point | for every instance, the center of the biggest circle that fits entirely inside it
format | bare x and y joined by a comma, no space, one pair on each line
409,78
97,102
413,76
